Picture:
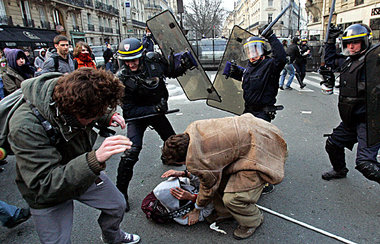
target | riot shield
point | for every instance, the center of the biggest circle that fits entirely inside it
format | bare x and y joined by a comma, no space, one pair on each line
195,83
230,89
372,64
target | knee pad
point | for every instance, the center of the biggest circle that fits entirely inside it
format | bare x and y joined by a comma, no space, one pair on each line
370,170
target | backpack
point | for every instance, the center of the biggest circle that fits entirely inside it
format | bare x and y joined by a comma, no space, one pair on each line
8,106
154,210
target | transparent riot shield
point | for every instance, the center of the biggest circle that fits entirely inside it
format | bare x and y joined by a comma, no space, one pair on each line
372,64
230,89
195,83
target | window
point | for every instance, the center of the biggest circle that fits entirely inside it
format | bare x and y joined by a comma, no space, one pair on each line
358,2
57,17
270,16
44,22
3,14
89,21
270,3
25,11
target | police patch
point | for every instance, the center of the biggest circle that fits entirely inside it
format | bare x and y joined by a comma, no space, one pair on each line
126,47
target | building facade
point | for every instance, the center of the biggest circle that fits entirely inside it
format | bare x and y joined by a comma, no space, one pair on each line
346,12
254,14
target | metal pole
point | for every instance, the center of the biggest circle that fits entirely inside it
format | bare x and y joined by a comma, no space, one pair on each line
306,225
332,9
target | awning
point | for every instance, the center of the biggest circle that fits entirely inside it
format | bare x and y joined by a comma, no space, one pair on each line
18,36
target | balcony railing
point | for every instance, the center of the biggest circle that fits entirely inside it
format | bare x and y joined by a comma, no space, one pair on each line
106,8
45,25
138,23
89,3
79,3
28,22
91,27
153,6
108,30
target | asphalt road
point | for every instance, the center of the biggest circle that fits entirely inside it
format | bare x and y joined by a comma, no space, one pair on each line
348,208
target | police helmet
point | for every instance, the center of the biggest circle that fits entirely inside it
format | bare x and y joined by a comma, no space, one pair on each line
304,39
130,48
254,47
356,33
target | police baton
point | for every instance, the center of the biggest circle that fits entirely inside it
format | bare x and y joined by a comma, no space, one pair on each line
151,115
277,18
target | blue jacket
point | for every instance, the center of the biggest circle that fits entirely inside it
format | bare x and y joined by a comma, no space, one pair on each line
260,80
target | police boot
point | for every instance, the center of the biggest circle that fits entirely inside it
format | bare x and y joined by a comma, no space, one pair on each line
370,170
337,159
125,172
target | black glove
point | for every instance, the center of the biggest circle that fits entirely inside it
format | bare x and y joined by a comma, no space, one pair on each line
266,35
162,107
334,33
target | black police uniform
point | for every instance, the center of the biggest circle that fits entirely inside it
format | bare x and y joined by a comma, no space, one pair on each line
352,129
145,93
260,81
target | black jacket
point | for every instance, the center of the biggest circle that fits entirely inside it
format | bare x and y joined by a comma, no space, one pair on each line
260,81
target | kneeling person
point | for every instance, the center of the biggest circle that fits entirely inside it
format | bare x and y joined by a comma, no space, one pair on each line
233,157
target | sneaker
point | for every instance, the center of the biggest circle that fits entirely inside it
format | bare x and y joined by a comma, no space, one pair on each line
23,216
281,88
302,86
243,232
288,88
332,174
127,238
268,188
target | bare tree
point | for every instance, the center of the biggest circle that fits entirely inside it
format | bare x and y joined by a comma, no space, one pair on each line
203,16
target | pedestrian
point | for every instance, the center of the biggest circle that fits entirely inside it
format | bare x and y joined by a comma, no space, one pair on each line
108,57
297,60
18,69
11,216
148,40
59,60
231,177
82,56
355,42
143,75
29,56
288,69
260,79
51,174
3,67
40,59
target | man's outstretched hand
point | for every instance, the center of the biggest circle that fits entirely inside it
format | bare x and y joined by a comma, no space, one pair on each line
112,145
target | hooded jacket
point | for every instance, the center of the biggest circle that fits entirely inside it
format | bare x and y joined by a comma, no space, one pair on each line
50,174
39,61
14,74
234,154
64,66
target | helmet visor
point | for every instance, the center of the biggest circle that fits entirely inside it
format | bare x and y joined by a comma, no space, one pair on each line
253,49
354,46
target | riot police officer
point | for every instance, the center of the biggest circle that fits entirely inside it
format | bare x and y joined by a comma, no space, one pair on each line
260,78
143,75
355,42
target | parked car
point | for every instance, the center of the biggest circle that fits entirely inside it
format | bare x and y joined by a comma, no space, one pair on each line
209,51
98,53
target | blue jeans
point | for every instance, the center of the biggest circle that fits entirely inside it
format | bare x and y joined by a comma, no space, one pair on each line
109,66
1,89
8,212
288,69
